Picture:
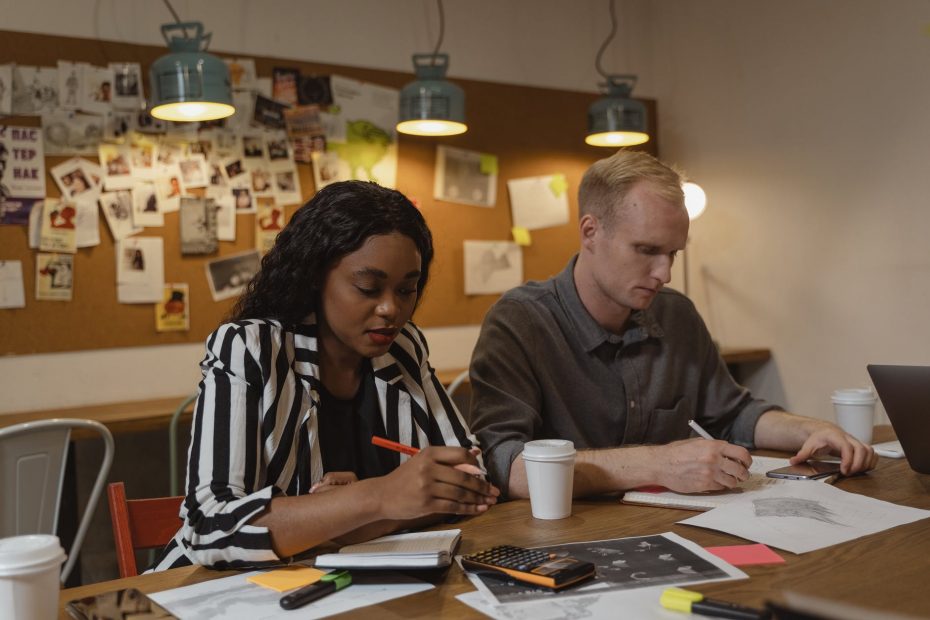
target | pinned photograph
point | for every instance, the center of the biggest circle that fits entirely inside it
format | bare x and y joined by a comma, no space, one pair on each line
539,202
173,313
140,270
74,181
325,168
305,130
145,209
118,124
284,83
492,267
70,84
54,277
127,85
465,177
6,89
168,191
200,147
147,123
117,210
169,154
225,206
12,291
253,147
58,232
143,159
242,198
287,187
193,171
269,113
217,174
235,171
314,89
72,133
117,173
88,223
97,90
241,73
35,90
197,220
261,182
226,143
229,276
269,221
279,150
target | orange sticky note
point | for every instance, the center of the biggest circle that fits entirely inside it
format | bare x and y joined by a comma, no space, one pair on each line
744,555
287,578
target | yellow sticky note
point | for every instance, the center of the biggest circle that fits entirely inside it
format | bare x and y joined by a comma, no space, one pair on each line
521,235
487,164
558,184
288,578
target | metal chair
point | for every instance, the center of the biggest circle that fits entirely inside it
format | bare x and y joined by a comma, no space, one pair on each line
461,400
32,467
173,442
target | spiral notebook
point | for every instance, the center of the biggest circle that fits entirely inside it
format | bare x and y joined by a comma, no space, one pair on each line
413,550
658,496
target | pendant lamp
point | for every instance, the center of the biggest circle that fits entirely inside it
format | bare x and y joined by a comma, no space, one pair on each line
189,84
616,119
432,105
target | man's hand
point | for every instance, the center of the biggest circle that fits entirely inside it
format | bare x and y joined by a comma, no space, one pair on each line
695,465
828,438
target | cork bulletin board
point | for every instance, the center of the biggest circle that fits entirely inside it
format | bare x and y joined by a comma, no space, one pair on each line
532,131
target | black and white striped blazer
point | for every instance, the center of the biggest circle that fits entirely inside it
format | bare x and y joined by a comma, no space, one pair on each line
254,434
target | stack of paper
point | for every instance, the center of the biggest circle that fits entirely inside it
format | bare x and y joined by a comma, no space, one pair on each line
414,550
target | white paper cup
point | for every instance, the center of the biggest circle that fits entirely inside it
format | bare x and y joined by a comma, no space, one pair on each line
550,472
855,412
29,576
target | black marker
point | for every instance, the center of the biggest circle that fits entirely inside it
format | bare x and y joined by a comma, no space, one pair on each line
328,583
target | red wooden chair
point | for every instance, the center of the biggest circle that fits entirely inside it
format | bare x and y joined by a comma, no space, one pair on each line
140,524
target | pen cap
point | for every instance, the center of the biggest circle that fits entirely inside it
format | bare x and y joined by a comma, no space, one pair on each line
341,578
674,600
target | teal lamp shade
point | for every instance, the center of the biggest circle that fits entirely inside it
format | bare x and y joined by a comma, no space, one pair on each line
616,120
431,105
189,84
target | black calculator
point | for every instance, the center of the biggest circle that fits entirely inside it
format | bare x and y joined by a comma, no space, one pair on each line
533,566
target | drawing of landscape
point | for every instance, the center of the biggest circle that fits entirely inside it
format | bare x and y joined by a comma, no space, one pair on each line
492,266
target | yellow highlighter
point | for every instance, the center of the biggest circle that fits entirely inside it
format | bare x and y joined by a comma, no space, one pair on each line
687,601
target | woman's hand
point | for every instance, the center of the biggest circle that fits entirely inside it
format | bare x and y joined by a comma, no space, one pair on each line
430,483
333,479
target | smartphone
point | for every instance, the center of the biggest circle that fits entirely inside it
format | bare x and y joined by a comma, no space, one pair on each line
117,605
811,470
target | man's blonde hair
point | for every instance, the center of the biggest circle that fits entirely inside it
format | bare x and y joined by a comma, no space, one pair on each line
607,182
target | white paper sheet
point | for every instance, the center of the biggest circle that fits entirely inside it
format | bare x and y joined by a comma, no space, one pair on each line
492,266
539,202
805,517
140,270
12,293
465,177
640,604
234,598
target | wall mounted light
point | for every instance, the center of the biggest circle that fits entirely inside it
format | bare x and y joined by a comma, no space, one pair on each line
616,119
432,105
189,84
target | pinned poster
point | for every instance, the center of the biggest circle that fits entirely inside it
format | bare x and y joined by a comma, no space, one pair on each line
269,221
465,177
54,277
140,270
492,267
539,202
173,313
12,292
22,173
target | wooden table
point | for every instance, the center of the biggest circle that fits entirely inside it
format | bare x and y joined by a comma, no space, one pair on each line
888,571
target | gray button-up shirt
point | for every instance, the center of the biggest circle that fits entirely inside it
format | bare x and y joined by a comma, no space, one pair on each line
544,368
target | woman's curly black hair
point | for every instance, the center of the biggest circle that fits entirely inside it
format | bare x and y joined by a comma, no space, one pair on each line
334,223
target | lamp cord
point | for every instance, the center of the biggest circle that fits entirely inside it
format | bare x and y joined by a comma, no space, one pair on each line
600,52
173,12
442,29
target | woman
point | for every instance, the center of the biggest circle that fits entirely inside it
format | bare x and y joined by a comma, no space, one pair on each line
321,356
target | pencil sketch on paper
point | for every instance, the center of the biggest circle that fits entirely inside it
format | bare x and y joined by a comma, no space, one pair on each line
794,507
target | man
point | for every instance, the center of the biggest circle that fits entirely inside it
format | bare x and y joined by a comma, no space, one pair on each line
602,355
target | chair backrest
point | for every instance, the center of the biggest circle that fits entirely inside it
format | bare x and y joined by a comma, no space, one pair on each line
173,442
461,398
32,467
140,524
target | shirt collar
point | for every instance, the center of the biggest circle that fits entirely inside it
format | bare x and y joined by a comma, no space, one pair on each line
641,325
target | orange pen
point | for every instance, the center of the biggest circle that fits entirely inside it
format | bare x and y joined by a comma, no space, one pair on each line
381,442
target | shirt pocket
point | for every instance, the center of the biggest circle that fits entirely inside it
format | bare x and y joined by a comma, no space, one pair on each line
667,425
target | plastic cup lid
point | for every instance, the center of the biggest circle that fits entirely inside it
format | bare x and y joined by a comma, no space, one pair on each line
23,552
854,396
548,449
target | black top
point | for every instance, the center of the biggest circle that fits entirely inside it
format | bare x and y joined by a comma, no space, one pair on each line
346,427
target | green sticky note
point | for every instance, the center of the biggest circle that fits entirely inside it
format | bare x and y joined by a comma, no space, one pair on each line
521,235
488,164
558,184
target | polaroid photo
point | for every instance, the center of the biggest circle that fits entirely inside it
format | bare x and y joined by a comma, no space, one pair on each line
117,171
127,85
198,226
58,232
465,177
6,89
235,171
253,146
241,73
284,84
168,191
287,187
169,154
228,276
279,151
140,270
71,133
269,221
97,90
226,143
54,277
216,174
173,313
326,169
143,159
35,90
193,171
262,182
200,146
118,124
242,199
225,206
12,290
70,84
88,223
269,113
117,211
94,173
315,89
146,123
74,180
146,211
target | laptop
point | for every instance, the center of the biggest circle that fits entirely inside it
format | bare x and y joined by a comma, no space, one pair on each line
905,394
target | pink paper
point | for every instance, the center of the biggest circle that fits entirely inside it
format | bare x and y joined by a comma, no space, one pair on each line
745,555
